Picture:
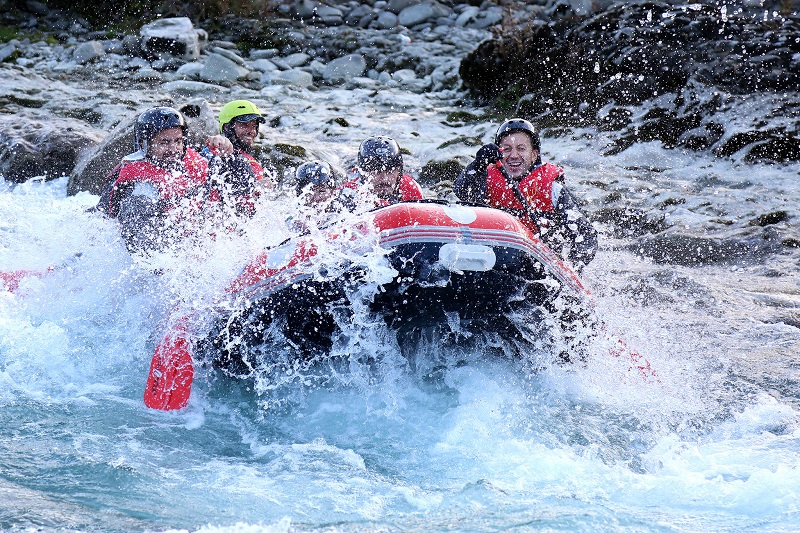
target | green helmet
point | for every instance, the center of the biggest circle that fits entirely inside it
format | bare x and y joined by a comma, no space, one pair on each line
240,111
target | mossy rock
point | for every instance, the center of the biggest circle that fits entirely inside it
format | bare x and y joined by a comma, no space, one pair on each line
292,150
435,172
468,141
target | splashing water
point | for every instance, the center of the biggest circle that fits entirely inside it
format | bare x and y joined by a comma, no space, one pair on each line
390,433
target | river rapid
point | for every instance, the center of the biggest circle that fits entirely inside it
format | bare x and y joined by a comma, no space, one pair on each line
485,443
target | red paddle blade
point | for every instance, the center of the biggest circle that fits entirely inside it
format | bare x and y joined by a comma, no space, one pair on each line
619,348
169,383
10,280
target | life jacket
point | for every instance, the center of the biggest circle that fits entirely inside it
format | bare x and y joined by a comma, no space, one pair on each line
536,188
407,189
258,170
172,186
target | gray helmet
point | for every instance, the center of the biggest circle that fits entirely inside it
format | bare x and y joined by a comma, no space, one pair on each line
316,172
153,121
378,154
518,124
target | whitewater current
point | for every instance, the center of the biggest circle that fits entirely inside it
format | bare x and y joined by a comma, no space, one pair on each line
475,442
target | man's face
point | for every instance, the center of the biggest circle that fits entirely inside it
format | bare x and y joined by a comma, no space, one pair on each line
518,154
166,145
314,194
246,132
383,182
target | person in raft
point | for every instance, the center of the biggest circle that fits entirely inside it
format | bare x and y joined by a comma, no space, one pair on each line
315,186
233,169
157,192
378,180
510,175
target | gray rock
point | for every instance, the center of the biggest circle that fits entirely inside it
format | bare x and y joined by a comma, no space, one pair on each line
404,75
233,56
8,49
146,74
487,17
295,76
218,69
357,14
366,20
386,20
176,36
396,6
88,51
263,65
295,60
345,68
324,11
50,148
190,88
264,54
467,16
421,12
304,8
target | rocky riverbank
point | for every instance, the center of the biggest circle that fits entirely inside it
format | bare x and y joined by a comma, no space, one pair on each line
692,76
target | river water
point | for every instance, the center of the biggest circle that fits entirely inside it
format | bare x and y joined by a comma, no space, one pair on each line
488,443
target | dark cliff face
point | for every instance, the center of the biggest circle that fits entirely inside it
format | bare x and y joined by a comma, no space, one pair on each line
594,70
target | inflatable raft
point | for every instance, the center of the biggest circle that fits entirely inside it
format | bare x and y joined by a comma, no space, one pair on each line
444,259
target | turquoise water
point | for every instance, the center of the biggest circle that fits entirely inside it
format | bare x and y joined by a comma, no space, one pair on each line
486,443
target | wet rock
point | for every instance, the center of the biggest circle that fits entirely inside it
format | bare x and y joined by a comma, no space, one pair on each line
344,68
625,222
690,250
434,172
421,12
220,69
176,36
191,88
767,219
295,76
88,51
47,147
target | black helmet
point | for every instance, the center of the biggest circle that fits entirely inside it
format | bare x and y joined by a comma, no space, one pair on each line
378,154
316,172
517,124
154,120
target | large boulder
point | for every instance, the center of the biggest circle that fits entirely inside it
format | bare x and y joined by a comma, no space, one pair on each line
91,172
48,147
175,36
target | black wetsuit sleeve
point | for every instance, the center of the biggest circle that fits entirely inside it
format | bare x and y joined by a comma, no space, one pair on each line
141,221
470,185
573,228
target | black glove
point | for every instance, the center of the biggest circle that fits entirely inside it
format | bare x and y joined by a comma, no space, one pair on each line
489,154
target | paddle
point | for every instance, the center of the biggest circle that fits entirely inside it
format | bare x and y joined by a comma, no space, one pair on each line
169,382
564,273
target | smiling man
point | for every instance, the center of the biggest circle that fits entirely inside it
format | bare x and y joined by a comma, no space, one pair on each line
158,192
509,175
234,172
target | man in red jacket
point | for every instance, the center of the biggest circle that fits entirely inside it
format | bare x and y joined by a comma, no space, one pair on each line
158,192
379,179
509,175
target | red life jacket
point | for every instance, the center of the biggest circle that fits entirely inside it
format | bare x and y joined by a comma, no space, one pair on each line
171,185
258,170
536,188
